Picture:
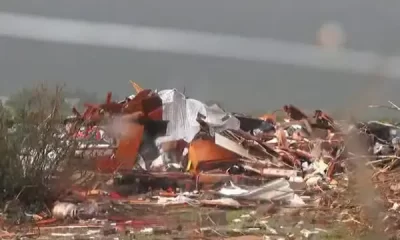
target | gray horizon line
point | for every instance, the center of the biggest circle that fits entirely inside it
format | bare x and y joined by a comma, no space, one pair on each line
178,41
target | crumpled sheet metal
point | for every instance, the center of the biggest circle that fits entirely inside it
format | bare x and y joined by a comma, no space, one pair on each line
276,190
218,120
182,115
180,123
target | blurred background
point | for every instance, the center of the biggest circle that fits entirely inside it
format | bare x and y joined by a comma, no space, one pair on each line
251,56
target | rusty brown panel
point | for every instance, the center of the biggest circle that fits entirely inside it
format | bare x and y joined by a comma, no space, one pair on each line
128,146
205,150
135,104
323,120
151,104
156,114
90,109
294,113
146,101
106,164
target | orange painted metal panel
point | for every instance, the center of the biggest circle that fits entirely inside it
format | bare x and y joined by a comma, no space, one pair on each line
128,146
204,150
106,164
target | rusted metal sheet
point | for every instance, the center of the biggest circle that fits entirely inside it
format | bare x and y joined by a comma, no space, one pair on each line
150,104
135,105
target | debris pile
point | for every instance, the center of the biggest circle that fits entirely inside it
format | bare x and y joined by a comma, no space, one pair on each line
161,150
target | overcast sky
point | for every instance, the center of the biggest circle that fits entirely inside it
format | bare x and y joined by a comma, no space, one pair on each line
241,85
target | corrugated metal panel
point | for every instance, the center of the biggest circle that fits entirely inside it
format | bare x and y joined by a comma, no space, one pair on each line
182,123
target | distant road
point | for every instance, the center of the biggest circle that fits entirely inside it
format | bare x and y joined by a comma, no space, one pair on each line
189,42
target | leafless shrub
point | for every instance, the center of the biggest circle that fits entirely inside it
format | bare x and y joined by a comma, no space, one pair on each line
34,152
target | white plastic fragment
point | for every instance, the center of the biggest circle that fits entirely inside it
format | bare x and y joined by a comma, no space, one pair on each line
62,210
270,230
180,199
296,201
147,231
313,181
307,233
395,207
